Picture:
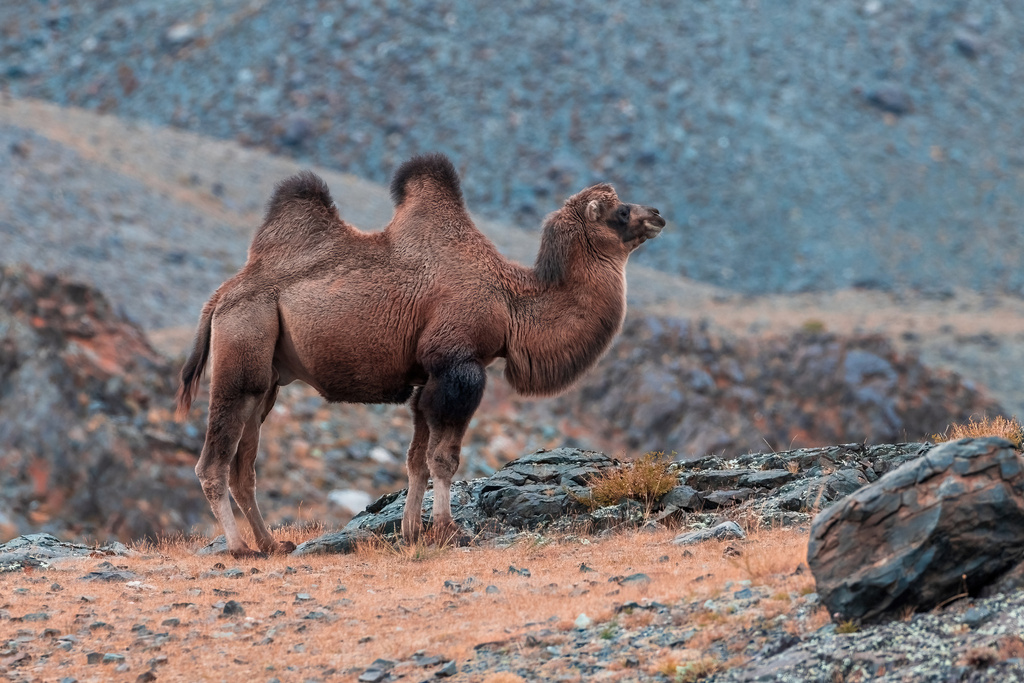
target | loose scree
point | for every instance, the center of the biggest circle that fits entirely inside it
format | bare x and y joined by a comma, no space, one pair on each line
413,313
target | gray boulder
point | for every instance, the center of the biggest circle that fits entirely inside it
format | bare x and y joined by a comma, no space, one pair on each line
950,521
723,532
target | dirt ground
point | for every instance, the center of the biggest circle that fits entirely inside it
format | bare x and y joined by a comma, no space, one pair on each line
190,618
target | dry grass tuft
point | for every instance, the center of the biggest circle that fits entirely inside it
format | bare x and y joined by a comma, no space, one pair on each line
644,480
848,626
697,670
1007,428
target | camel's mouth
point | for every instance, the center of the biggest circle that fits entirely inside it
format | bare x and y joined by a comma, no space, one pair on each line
653,226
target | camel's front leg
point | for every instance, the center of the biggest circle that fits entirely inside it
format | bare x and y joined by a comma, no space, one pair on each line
449,399
416,463
243,480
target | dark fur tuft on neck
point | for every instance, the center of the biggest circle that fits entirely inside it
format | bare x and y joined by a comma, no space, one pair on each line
434,167
304,187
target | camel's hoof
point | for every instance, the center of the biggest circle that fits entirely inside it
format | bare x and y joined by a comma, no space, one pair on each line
245,553
285,548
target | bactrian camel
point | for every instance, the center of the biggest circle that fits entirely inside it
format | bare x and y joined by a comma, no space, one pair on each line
413,313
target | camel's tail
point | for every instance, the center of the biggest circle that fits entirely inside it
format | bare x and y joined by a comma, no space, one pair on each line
192,371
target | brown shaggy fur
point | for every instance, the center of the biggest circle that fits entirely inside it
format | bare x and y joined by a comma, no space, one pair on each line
416,311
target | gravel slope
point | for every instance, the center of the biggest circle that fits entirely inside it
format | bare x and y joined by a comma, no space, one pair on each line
804,146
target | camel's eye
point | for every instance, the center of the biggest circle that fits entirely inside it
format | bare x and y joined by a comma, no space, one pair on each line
623,213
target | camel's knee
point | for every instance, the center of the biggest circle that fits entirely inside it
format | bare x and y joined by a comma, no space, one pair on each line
444,462
213,481
455,394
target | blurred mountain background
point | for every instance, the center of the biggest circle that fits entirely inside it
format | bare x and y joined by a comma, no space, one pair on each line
844,185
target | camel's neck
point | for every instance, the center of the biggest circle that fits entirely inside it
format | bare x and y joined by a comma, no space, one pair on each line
564,319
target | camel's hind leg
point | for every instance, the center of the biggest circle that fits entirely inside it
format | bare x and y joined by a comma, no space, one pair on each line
449,399
243,478
228,418
242,350
416,464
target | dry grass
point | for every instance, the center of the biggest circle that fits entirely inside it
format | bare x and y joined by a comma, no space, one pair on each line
1007,428
379,602
644,480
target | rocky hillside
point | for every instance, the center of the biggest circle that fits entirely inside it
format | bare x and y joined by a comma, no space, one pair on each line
863,144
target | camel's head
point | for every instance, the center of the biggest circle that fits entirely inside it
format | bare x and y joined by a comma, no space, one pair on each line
609,221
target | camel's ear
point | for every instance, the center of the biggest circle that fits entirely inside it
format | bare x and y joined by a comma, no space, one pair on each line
593,210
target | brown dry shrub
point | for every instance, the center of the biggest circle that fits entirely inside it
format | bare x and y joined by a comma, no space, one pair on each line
644,480
699,669
1007,428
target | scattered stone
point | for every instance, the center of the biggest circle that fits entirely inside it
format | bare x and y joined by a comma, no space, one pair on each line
232,609
583,622
968,43
180,34
106,572
976,616
449,669
682,497
635,580
890,98
426,662
728,498
456,587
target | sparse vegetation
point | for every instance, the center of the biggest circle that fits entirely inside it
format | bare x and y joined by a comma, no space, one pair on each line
691,672
849,626
1007,428
813,326
645,480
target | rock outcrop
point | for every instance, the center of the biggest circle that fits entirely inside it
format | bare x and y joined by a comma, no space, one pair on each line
86,444
943,525
544,490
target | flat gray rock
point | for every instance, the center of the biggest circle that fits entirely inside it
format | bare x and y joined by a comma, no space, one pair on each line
723,532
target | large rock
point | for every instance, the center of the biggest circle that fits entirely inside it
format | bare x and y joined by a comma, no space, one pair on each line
950,521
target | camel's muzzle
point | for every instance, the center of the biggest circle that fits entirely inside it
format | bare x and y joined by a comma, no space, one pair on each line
653,222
